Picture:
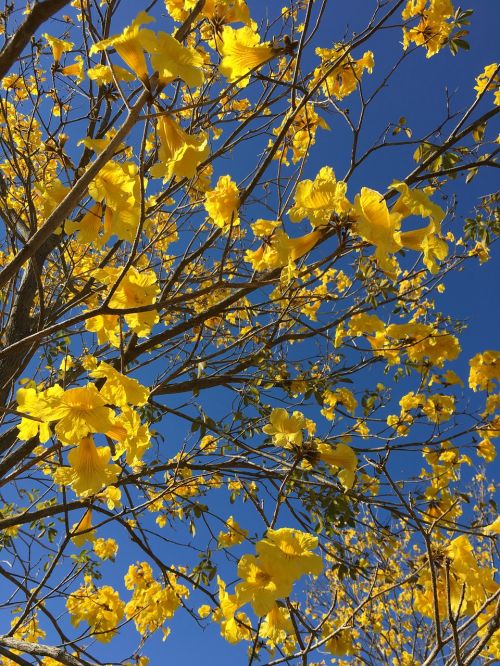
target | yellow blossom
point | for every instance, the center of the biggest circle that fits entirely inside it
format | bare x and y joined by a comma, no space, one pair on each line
82,531
433,29
343,78
58,46
376,225
100,607
179,153
286,430
90,468
128,45
119,389
319,199
78,412
342,457
222,203
242,53
234,536
105,549
172,60
484,370
489,79
261,586
287,553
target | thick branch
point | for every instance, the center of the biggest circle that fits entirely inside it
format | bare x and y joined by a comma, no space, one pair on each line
17,43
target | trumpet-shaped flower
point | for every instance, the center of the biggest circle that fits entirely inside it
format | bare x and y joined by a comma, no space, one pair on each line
280,249
129,45
76,69
484,371
318,199
119,389
82,531
234,536
242,52
287,553
277,625
34,403
261,586
58,46
489,79
78,412
342,457
286,430
179,153
90,468
172,60
134,438
135,290
376,225
301,134
426,239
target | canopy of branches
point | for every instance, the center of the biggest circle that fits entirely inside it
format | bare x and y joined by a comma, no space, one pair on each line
232,399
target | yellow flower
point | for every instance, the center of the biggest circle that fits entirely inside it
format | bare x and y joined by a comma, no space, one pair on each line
301,134
136,289
344,77
151,603
426,239
204,611
58,46
100,607
78,412
76,69
129,46
105,549
82,531
439,408
234,536
242,53
285,430
318,199
486,449
119,389
172,60
222,203
112,496
342,457
288,553
261,586
134,437
489,80
280,250
33,402
376,225
494,528
341,396
90,468
432,30
180,153
484,371
103,74
106,327
277,625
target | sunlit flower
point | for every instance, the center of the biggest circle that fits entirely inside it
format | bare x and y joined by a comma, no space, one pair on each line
242,52
128,45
